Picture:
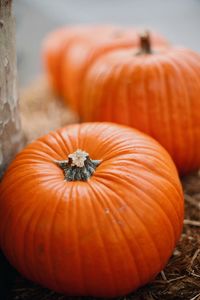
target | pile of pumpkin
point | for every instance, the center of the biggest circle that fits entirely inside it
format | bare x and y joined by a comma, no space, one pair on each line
96,208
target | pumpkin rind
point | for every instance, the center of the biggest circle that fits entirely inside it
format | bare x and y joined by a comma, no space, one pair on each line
103,237
156,93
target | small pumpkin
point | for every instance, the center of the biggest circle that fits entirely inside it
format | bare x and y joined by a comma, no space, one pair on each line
154,90
69,52
99,221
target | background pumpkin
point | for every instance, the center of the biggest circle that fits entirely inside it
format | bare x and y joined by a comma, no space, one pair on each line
54,45
102,237
156,91
69,52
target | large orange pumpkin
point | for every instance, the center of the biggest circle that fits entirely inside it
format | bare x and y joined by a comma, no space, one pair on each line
154,90
98,221
69,52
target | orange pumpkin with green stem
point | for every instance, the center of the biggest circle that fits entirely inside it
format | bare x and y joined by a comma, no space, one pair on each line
99,221
69,52
154,90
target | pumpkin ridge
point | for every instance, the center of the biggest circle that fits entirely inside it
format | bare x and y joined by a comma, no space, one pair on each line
157,172
164,175
40,212
18,178
128,96
166,62
154,108
76,209
162,94
44,143
31,238
144,107
26,264
32,215
187,91
67,142
147,104
151,238
118,94
125,92
55,144
160,191
191,156
109,88
110,204
49,241
160,207
156,204
78,240
114,286
65,146
169,104
181,80
192,113
17,220
91,94
149,235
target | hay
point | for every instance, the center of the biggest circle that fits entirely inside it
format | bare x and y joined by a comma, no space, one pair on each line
41,111
181,277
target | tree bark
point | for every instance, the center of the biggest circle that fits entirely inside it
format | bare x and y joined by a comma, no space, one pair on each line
10,129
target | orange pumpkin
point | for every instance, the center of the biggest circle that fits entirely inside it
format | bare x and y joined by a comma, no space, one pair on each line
156,91
69,52
98,221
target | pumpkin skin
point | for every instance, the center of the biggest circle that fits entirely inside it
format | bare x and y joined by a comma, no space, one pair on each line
68,53
103,237
156,93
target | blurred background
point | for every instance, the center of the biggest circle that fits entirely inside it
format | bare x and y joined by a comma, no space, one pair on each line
178,20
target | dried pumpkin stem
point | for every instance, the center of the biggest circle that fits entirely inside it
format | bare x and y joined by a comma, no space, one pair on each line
145,43
78,167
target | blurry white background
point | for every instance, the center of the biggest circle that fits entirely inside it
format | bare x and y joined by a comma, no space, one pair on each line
178,20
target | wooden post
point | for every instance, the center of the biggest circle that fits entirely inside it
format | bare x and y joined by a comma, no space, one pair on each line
10,130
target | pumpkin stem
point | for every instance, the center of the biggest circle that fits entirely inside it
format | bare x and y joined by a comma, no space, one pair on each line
145,43
78,166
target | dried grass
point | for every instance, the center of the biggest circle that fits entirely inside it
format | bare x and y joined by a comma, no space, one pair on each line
41,111
181,277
